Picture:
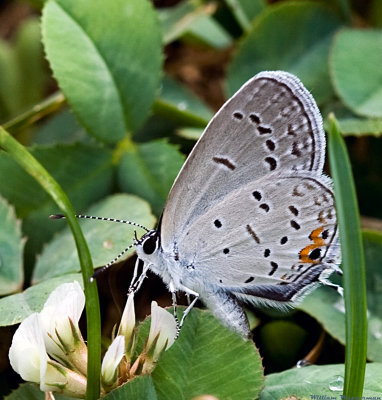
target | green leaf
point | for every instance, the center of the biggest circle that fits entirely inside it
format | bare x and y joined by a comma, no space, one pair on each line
373,257
360,126
149,170
180,105
207,31
11,250
328,308
353,264
375,13
15,308
209,359
139,388
62,128
84,171
9,76
245,11
22,72
105,239
280,343
190,133
176,20
324,382
106,60
29,55
31,391
290,36
355,68
77,167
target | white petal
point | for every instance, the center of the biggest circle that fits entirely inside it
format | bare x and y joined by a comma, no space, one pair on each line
66,301
27,353
164,323
128,318
112,358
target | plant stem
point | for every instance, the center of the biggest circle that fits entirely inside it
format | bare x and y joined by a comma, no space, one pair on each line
46,107
21,155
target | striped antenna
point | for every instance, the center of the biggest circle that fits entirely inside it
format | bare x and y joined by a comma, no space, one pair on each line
99,271
105,267
122,221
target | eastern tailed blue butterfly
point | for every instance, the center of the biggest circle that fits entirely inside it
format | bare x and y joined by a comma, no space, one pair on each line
250,216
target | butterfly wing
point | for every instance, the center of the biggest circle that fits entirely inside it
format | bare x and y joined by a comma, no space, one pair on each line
274,250
271,124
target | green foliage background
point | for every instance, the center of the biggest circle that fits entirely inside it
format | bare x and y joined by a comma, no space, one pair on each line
110,97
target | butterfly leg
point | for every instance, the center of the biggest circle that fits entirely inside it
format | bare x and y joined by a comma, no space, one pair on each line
174,305
190,306
135,273
137,283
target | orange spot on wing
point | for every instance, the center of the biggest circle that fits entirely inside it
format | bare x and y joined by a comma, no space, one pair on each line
317,242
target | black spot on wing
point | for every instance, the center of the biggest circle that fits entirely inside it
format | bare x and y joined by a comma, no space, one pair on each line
295,225
295,150
253,234
257,195
293,210
270,144
272,162
315,254
264,130
217,223
264,207
274,266
325,234
224,161
238,115
254,118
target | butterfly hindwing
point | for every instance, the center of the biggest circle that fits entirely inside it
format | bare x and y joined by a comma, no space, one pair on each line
275,231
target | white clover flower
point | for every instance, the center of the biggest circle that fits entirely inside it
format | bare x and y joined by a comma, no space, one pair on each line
110,362
27,353
28,357
127,325
162,335
59,321
162,331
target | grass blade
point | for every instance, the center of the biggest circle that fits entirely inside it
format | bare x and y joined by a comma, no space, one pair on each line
353,264
39,173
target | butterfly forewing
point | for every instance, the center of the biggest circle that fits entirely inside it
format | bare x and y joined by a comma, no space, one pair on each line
270,125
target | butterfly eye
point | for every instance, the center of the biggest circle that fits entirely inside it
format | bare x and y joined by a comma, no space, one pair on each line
150,245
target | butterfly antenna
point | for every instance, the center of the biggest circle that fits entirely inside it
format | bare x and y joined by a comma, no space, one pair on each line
99,271
80,216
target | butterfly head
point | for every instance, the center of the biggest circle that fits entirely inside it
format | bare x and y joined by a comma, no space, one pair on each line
148,245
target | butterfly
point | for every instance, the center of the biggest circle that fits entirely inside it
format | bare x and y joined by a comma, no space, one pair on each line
250,216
